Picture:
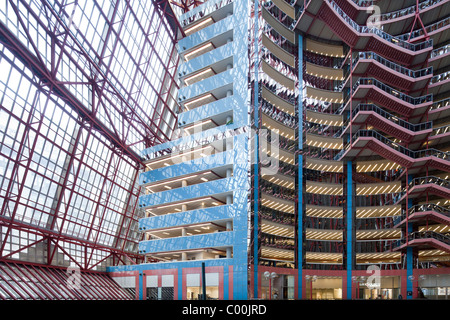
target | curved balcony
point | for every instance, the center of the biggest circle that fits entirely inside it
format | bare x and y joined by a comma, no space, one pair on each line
367,142
324,49
278,217
419,187
435,31
440,57
378,211
285,144
356,9
390,98
376,165
319,141
280,128
278,52
268,240
359,37
396,22
324,95
280,116
327,258
277,229
439,136
378,188
278,26
277,76
277,191
324,72
323,234
278,204
439,109
425,240
371,258
422,213
277,10
278,102
440,84
324,165
370,114
324,211
285,181
389,72
324,188
378,234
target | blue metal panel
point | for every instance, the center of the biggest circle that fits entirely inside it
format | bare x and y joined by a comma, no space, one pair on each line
349,228
200,241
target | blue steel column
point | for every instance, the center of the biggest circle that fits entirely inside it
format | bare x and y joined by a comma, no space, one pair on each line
349,228
256,158
300,169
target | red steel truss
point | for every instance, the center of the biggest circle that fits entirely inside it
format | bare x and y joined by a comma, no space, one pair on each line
96,189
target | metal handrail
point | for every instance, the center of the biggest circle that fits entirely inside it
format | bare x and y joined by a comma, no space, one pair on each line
393,92
420,32
388,116
393,66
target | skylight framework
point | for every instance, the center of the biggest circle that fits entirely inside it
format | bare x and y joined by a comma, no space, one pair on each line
84,87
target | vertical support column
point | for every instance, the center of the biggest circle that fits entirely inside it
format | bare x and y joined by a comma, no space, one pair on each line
300,170
349,228
141,285
256,158
409,250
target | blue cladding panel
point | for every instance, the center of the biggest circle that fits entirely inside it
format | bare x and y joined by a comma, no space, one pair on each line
217,239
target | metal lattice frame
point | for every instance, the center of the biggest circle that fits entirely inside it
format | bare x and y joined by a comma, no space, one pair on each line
93,85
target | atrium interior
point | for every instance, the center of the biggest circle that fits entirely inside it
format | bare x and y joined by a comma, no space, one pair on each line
224,149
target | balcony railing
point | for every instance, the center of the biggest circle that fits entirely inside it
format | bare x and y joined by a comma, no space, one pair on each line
393,92
430,179
420,32
425,235
278,115
277,216
383,35
440,51
427,207
407,11
440,104
440,77
409,153
440,130
277,190
388,116
273,241
393,66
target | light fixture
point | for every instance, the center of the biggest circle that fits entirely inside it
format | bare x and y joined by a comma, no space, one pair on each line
198,26
200,50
